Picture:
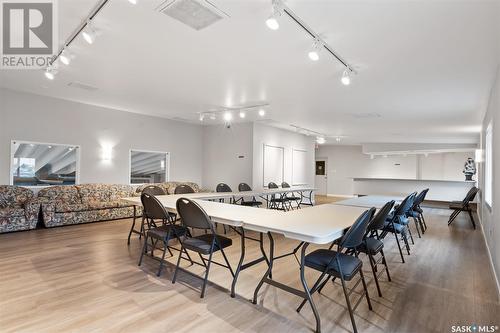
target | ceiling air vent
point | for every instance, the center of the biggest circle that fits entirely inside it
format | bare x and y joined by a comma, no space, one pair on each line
83,86
198,14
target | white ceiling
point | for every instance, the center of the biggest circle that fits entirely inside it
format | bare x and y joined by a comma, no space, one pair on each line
426,67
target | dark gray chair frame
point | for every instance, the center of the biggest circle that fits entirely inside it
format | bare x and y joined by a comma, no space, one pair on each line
292,196
194,217
278,201
244,187
183,189
351,239
417,212
154,210
464,206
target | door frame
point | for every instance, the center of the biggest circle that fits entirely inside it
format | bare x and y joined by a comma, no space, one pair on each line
326,173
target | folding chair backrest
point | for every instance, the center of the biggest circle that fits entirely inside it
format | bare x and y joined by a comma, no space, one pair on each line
244,187
192,215
285,185
223,188
272,185
153,208
183,189
470,195
420,198
378,220
153,190
354,236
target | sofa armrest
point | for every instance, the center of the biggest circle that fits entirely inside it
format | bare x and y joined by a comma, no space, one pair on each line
32,210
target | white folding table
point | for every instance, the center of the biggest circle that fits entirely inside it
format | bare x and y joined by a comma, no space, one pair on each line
321,224
368,201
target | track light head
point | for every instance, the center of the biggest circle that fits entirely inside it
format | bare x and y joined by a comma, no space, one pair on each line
242,114
89,33
262,112
228,116
202,117
316,49
134,2
65,57
320,140
346,77
50,72
272,22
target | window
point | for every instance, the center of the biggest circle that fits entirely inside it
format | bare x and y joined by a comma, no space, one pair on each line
488,166
148,167
43,164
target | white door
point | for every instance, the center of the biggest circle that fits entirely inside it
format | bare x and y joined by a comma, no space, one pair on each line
321,179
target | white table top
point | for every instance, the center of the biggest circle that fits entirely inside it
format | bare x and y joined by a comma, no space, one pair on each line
368,201
318,224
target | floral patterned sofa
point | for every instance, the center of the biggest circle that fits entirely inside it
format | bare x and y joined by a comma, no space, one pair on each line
66,205
169,187
18,209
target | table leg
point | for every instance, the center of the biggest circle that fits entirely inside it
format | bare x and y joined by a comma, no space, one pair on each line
132,228
306,288
268,273
242,257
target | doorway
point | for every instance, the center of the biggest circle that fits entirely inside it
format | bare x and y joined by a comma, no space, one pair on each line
321,178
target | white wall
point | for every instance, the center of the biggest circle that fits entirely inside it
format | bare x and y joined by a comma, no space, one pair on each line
490,217
347,162
222,151
288,140
42,119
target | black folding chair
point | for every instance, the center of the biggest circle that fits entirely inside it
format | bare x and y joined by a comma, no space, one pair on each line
154,210
194,217
291,196
341,265
244,187
183,189
397,224
372,245
277,201
224,188
417,213
464,206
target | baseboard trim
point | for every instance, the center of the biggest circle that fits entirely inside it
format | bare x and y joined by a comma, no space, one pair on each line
489,255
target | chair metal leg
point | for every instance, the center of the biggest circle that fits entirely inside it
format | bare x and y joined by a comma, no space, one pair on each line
472,219
313,290
366,289
385,264
227,263
417,227
162,259
399,247
174,278
374,273
409,232
144,249
453,216
206,274
423,221
346,294
405,239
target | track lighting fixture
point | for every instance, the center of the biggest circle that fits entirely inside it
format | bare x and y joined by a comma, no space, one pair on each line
346,77
50,72
89,33
134,2
65,57
316,49
272,22
320,140
262,112
242,114
228,116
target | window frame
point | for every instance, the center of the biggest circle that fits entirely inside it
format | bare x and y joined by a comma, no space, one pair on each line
488,166
12,153
167,167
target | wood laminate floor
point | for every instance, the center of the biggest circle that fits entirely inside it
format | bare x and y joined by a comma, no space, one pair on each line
85,278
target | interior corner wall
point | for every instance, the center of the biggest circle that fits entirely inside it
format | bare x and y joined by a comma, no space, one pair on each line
29,117
263,134
490,216
227,155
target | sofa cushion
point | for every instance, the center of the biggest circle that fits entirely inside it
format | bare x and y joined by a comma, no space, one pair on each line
9,212
14,196
66,194
108,204
91,193
62,207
